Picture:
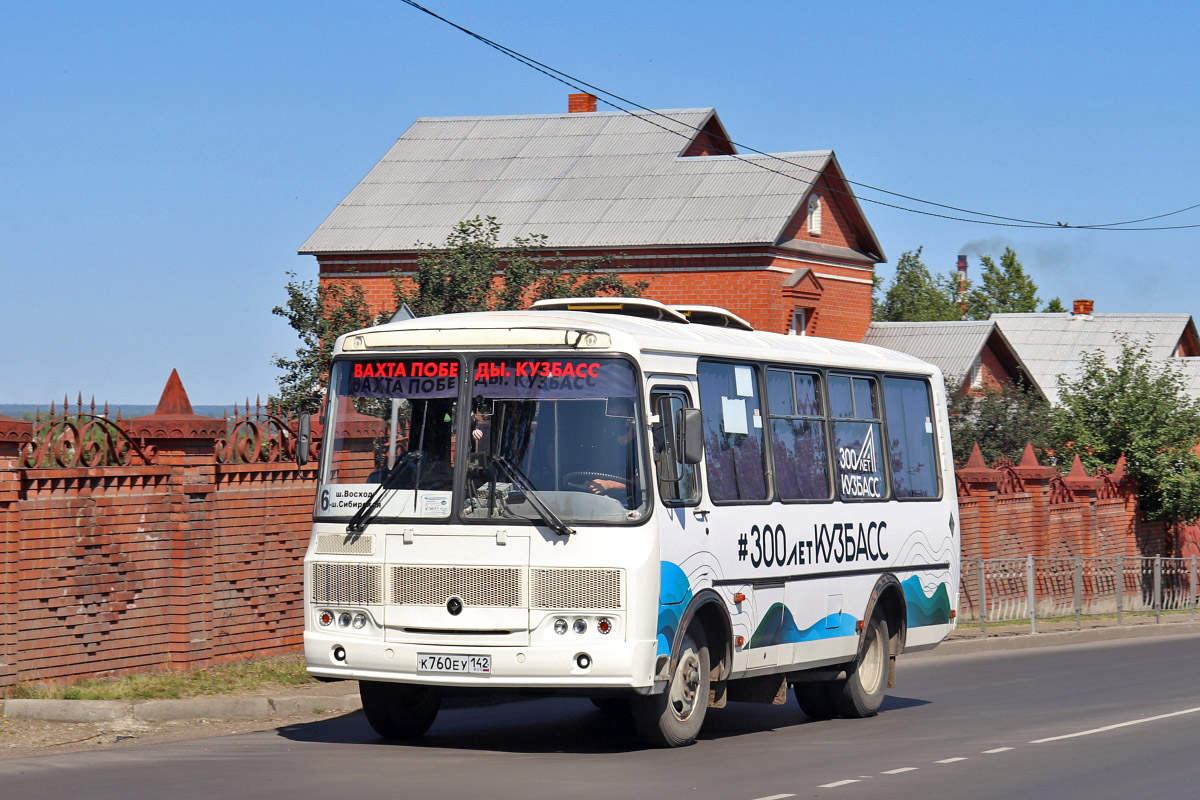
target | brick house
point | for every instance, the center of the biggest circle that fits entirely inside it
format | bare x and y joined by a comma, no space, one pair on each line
779,240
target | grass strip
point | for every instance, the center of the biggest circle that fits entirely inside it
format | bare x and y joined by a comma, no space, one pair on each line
240,677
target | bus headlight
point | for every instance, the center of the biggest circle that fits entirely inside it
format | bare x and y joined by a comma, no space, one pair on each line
580,626
359,621
344,619
560,626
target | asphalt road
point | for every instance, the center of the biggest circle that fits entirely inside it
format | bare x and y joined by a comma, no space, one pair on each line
1110,720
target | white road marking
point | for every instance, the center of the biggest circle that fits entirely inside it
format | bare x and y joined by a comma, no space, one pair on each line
835,784
1114,727
950,760
775,797
998,750
899,770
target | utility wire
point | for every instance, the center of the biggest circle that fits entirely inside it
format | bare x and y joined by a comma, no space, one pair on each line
1002,221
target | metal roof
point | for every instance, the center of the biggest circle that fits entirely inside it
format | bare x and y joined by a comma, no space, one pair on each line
953,346
1053,344
598,180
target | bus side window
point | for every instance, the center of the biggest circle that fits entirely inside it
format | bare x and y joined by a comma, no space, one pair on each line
798,435
678,483
857,442
734,452
910,434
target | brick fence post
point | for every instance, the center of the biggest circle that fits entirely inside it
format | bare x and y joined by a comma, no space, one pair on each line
984,484
14,433
1036,480
1086,490
185,442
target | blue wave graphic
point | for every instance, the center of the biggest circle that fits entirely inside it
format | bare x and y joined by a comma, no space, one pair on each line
674,594
924,610
779,627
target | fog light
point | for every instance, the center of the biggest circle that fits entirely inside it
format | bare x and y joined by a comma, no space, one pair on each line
583,660
344,619
560,626
339,653
325,618
604,625
359,620
580,626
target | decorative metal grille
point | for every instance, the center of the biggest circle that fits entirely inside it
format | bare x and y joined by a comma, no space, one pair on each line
497,587
345,544
347,584
577,589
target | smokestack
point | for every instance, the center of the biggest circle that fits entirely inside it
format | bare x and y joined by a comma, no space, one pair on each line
962,285
581,103
1083,308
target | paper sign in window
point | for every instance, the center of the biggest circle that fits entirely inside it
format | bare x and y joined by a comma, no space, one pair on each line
733,415
744,379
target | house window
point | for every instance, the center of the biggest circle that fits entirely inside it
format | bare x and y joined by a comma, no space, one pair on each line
799,321
814,216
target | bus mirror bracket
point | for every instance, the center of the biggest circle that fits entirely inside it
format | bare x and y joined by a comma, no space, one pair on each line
303,438
690,429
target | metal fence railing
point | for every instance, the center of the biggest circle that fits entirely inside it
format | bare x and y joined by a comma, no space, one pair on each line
1016,589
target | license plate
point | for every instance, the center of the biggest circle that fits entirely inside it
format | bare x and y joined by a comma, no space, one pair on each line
439,662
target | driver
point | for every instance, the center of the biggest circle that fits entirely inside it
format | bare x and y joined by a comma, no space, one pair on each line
620,429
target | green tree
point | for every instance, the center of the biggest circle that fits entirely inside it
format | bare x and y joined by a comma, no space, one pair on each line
1055,306
1000,420
473,272
318,314
915,295
1003,288
1137,406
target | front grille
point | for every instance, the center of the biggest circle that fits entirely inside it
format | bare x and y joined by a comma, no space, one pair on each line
576,589
498,587
340,544
347,584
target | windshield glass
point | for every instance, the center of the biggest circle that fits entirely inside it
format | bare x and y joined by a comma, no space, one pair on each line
392,422
565,429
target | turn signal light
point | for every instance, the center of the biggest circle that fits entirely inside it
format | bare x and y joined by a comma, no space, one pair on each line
739,598
325,618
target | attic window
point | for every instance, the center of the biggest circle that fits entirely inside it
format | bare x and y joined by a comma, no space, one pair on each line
814,216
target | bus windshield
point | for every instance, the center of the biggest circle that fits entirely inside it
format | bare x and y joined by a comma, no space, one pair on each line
564,430
549,441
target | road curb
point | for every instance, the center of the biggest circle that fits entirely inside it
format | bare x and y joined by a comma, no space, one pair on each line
1027,641
196,708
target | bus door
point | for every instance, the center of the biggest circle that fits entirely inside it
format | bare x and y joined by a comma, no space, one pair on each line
683,527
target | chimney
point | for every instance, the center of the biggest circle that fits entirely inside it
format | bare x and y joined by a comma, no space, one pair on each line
962,285
1083,308
581,103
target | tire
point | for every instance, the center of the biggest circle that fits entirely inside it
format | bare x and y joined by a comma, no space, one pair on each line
398,710
815,698
673,718
865,686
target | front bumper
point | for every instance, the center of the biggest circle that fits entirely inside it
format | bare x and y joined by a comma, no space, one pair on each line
614,665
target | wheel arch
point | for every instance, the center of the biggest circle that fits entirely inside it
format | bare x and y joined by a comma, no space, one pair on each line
708,609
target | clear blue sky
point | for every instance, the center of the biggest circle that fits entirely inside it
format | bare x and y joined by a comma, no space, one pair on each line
160,163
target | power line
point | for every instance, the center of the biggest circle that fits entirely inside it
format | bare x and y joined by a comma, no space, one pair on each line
994,220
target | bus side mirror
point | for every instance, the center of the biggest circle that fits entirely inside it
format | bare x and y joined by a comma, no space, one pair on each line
690,429
303,438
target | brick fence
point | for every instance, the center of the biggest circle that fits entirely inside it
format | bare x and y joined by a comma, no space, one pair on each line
178,542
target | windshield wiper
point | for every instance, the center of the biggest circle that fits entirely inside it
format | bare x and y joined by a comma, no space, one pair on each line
535,499
358,523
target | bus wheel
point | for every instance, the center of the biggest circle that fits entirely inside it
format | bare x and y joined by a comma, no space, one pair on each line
816,698
866,682
673,718
397,710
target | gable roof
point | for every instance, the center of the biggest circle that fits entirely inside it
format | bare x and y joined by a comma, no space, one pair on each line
586,180
1052,344
955,347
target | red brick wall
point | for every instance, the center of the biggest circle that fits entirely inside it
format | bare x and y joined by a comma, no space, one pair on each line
122,569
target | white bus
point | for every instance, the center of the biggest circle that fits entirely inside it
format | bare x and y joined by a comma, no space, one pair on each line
655,507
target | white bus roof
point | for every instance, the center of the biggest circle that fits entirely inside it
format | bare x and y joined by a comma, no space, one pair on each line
635,335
